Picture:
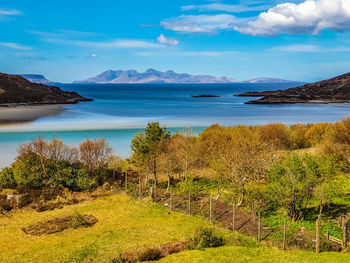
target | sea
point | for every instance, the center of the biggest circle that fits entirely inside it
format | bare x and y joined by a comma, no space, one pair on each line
121,110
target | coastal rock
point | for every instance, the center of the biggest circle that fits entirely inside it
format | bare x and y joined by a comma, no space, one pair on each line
335,90
16,90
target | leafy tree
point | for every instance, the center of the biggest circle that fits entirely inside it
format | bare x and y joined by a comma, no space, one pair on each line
292,182
146,146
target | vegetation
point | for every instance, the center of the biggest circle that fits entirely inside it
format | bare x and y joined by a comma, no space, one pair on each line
298,172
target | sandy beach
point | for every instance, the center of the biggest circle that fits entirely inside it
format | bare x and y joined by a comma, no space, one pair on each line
15,115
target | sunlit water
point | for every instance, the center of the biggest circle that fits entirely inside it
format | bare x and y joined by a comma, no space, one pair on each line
120,111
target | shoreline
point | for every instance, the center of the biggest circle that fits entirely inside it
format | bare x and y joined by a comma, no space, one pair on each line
27,113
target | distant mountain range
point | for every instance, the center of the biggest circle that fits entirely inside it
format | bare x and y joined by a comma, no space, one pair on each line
153,76
270,80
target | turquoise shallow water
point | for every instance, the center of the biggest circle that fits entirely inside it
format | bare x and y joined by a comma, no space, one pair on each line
120,111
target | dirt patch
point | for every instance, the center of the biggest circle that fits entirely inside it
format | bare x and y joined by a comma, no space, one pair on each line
59,224
155,253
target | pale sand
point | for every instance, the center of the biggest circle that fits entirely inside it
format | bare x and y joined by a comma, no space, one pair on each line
15,115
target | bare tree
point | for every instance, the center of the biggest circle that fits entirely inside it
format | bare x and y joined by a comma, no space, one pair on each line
94,153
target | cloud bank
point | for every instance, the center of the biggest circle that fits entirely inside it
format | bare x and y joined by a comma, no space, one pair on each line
309,17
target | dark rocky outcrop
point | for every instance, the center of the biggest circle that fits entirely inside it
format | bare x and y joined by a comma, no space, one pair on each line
335,90
15,89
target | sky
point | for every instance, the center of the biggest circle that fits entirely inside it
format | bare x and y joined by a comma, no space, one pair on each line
71,40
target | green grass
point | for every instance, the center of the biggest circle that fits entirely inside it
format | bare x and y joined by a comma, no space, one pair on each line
254,255
124,224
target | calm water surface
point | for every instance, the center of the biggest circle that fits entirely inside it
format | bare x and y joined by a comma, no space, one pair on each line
119,111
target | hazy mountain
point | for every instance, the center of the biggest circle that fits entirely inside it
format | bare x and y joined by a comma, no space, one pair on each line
269,80
153,76
36,78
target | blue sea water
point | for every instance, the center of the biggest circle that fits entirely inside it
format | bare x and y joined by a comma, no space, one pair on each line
121,110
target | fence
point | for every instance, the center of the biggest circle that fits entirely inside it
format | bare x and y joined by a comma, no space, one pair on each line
227,215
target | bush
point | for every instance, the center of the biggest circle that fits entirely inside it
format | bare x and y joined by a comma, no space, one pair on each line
150,254
206,237
7,179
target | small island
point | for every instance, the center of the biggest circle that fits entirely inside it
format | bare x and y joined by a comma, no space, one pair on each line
335,90
205,96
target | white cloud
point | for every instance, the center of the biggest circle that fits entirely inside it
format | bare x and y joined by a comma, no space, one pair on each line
200,23
9,12
309,17
14,46
167,41
189,53
225,7
310,48
298,48
68,37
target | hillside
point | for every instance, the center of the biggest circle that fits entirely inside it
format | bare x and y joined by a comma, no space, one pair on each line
335,90
153,76
16,89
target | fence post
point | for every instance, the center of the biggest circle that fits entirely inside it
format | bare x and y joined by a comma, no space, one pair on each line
318,235
210,211
233,216
189,202
259,227
344,232
155,191
139,187
171,199
126,182
284,234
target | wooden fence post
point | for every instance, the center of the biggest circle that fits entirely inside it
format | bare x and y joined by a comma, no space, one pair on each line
233,216
318,227
344,232
139,187
189,202
284,234
155,191
126,182
210,211
259,227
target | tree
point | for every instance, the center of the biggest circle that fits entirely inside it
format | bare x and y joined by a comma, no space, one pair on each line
146,146
331,180
94,153
292,182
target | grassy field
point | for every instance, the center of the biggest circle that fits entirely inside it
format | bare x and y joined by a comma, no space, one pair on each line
254,255
126,224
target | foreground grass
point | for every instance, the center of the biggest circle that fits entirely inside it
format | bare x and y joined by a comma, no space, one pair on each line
254,255
124,224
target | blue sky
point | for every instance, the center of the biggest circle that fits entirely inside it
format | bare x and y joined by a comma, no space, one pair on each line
70,40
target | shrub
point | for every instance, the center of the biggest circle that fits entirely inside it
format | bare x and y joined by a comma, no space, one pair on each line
7,179
206,237
78,220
